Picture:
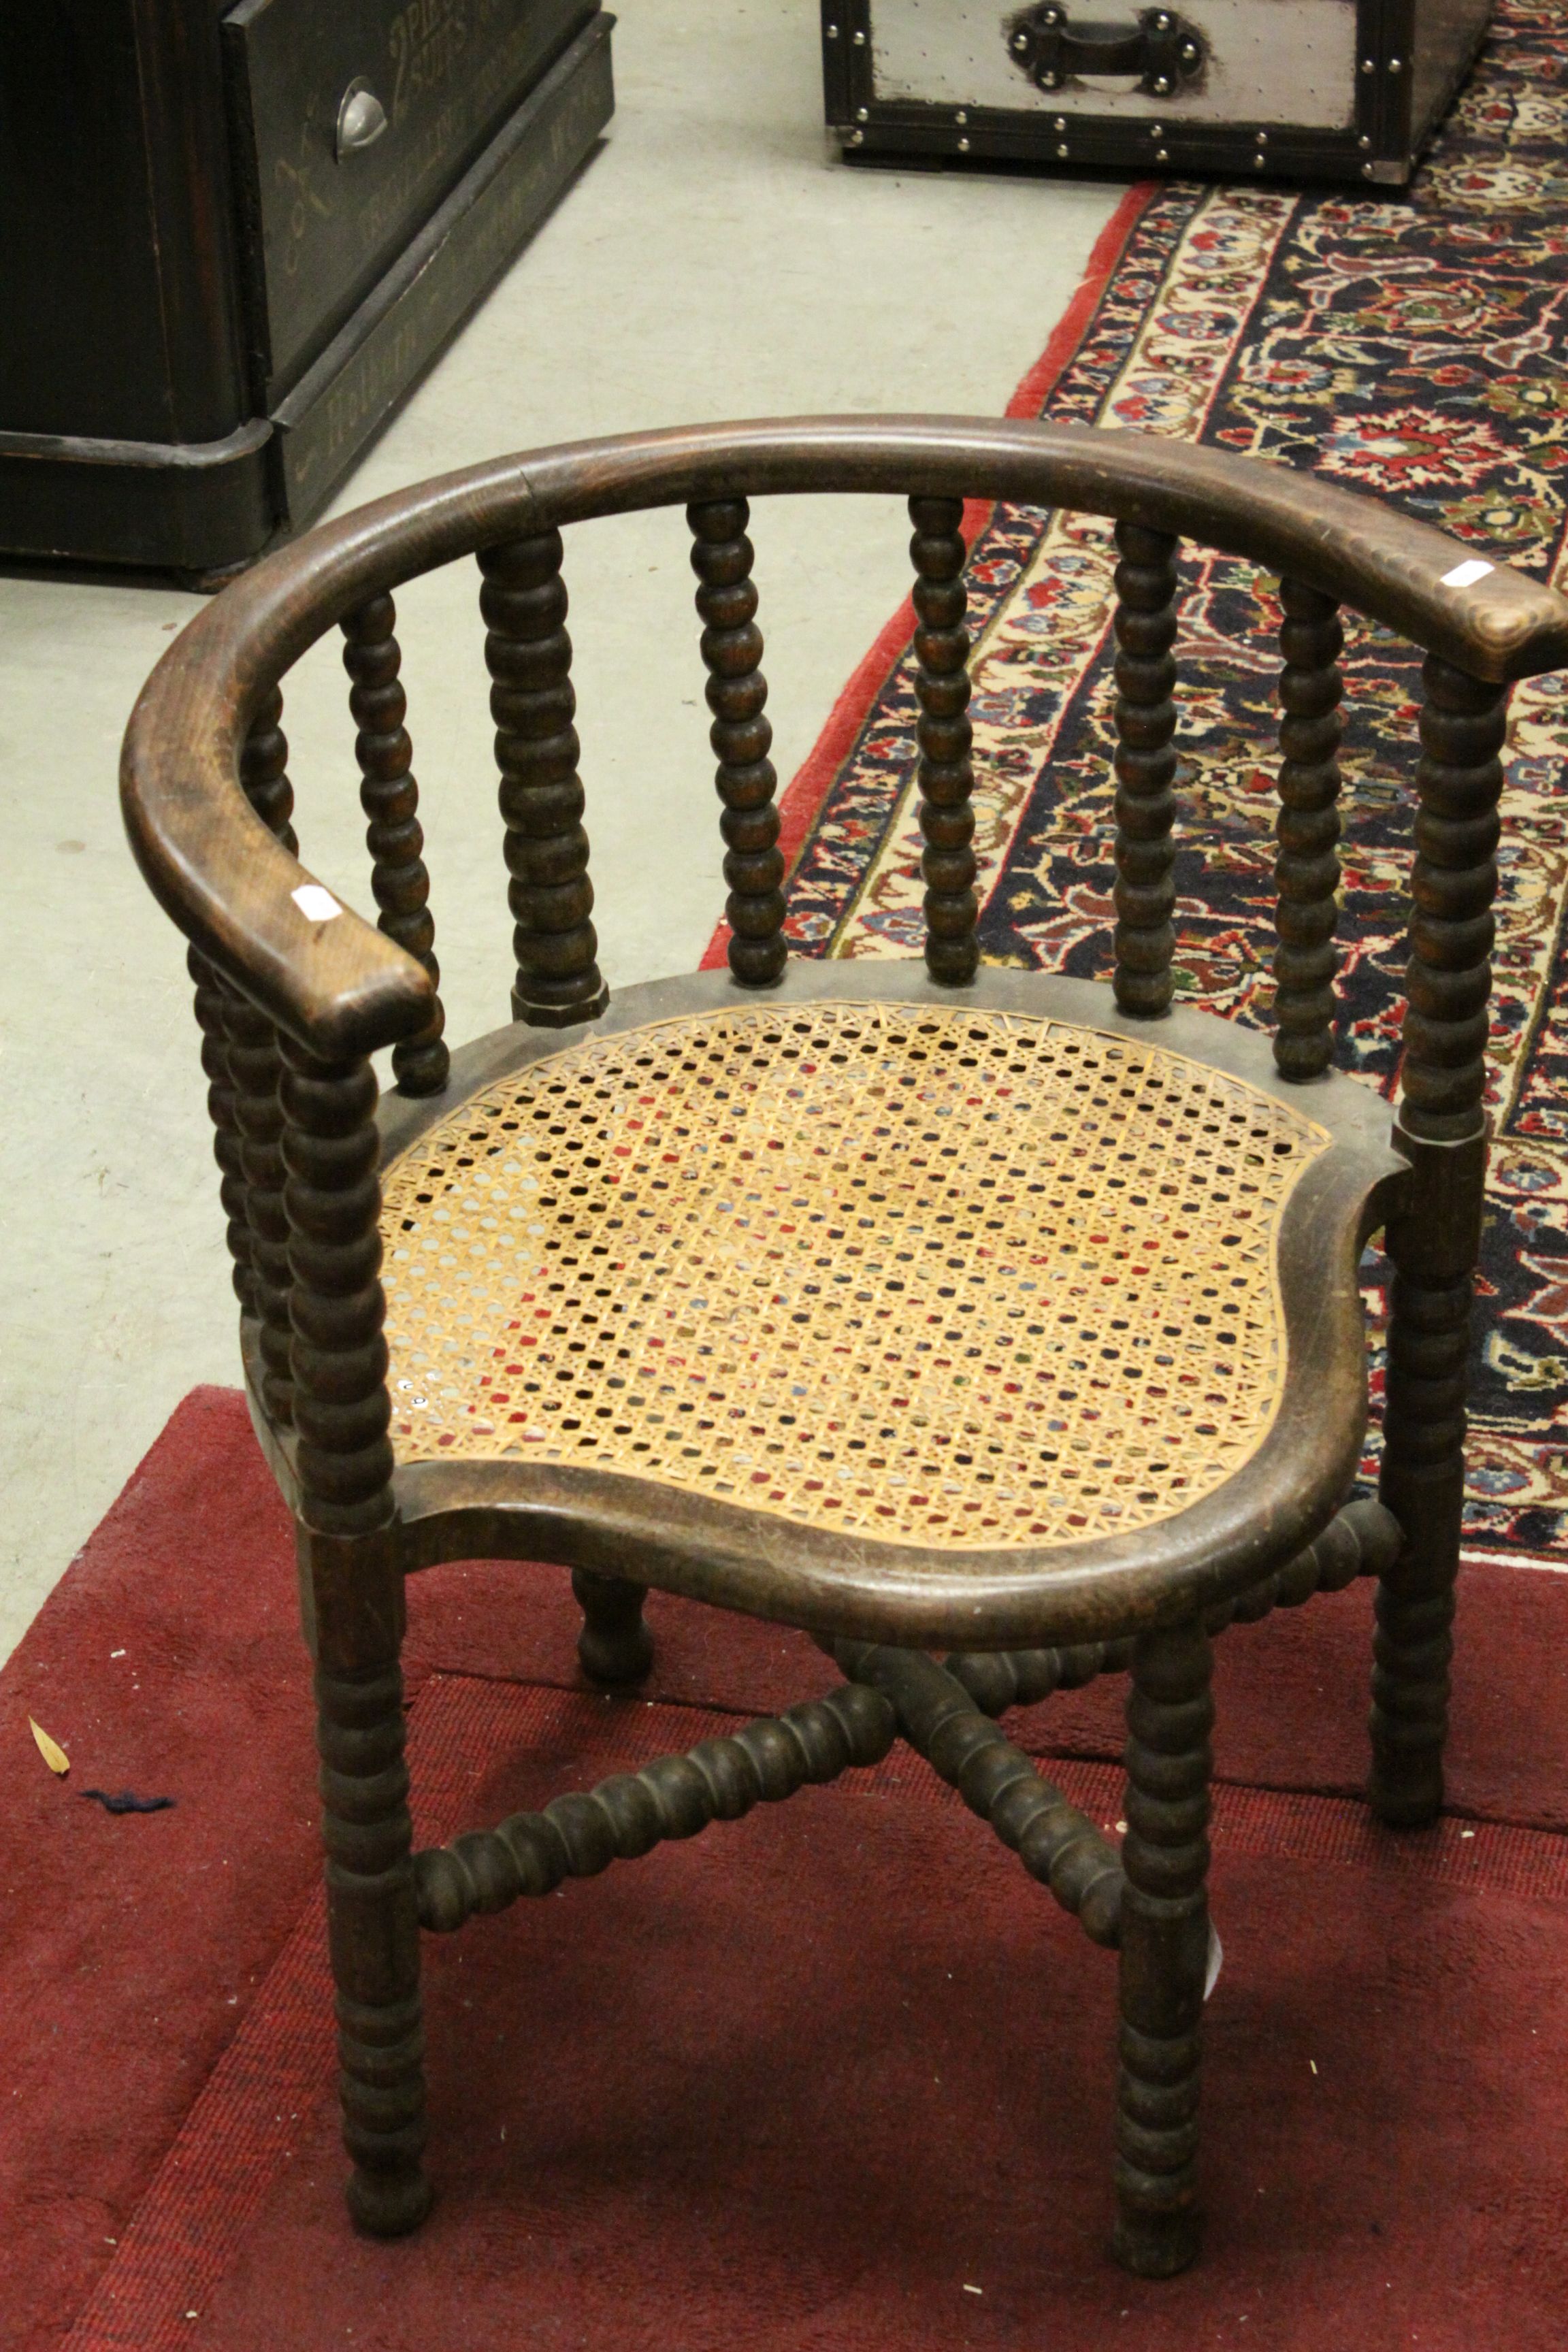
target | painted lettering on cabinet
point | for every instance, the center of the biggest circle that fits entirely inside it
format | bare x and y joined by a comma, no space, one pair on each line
425,41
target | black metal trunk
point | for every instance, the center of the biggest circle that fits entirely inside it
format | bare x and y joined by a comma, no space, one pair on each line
1325,89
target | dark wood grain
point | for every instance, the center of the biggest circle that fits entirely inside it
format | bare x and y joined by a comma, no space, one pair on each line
722,557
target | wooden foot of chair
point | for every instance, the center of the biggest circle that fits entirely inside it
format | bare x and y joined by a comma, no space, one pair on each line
373,1930
1411,1653
1164,1950
615,1645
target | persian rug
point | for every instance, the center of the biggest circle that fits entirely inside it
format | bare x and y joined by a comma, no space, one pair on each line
1411,350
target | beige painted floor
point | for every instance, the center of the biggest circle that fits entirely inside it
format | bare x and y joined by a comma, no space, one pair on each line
711,261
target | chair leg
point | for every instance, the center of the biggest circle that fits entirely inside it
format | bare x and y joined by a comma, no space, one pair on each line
1164,1950
1423,1485
1433,1248
351,1606
374,1931
615,1645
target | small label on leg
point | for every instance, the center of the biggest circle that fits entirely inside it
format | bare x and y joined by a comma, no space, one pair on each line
1216,1962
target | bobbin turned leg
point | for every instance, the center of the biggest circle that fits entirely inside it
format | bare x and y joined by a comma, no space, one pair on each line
1164,1950
615,1645
1423,1484
373,1934
1435,1238
352,1596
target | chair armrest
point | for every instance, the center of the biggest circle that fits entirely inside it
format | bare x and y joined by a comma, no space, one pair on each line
328,978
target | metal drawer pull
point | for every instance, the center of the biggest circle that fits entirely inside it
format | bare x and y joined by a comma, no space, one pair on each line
1164,50
362,118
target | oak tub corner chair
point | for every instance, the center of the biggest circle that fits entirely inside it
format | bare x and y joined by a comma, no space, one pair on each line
872,1208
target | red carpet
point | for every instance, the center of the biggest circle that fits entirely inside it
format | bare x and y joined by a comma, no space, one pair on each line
803,2082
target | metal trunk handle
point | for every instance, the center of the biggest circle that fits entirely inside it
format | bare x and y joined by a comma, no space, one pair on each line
1161,49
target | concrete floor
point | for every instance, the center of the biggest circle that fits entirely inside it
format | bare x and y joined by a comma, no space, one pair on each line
711,261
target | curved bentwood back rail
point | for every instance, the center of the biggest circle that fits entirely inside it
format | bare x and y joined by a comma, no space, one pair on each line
343,988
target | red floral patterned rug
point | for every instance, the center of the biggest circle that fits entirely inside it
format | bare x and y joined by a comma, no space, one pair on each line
1413,349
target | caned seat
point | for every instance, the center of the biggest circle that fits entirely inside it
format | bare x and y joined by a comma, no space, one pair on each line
991,1291
918,1274
921,1305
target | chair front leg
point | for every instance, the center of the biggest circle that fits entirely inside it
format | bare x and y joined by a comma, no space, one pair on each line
374,1937
1164,1950
1433,1243
353,1603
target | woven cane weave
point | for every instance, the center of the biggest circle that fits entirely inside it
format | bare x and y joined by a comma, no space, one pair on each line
944,1276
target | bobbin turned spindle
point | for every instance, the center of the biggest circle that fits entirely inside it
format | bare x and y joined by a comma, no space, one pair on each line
529,655
722,557
254,1070
1145,717
390,798
214,998
946,772
1306,871
264,769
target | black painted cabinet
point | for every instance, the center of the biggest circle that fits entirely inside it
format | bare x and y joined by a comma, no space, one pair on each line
232,236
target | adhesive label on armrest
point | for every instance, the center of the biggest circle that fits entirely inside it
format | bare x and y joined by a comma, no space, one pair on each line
1216,1962
1464,575
316,904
